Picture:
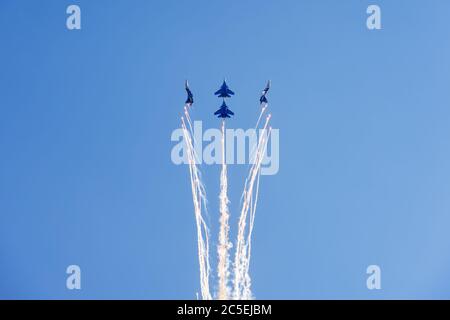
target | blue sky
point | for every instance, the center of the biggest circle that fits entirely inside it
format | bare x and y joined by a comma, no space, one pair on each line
85,170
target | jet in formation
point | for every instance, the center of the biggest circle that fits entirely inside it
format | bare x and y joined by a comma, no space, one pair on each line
263,98
224,91
224,112
190,96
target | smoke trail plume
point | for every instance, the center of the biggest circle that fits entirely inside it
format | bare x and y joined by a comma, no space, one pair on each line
224,242
246,287
242,280
199,200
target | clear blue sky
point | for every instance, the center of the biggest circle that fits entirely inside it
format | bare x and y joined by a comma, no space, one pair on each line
85,124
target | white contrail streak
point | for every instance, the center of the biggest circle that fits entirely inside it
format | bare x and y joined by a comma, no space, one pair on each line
241,288
253,151
224,241
263,109
242,281
246,287
199,199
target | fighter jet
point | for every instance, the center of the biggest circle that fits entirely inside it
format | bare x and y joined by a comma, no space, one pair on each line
224,91
190,96
224,112
263,98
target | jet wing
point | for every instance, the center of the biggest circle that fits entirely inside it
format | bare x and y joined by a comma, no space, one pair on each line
230,92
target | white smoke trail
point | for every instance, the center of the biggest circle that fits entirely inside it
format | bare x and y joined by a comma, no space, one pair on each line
199,199
253,151
224,241
188,118
263,109
242,281
246,287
